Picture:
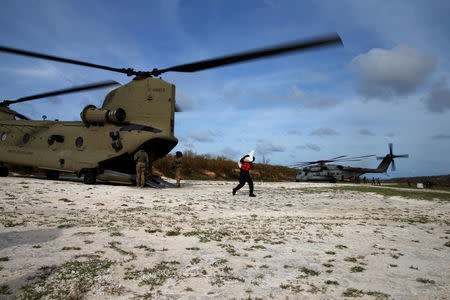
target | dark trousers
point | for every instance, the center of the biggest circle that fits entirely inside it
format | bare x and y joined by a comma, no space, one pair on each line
245,177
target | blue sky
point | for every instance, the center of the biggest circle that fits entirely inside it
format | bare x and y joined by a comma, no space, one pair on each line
389,83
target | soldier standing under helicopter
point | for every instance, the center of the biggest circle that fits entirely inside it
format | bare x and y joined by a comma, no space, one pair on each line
177,167
246,164
141,159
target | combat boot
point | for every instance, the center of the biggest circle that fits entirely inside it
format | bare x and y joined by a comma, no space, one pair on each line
234,192
252,195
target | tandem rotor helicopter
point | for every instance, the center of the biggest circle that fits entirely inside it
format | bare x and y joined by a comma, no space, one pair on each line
138,114
321,171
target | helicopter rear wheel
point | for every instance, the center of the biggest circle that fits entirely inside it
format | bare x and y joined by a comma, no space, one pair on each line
90,177
4,171
50,174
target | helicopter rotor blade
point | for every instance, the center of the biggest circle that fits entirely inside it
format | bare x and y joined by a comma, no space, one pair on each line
393,165
128,71
255,54
178,108
402,155
93,86
196,66
390,148
337,157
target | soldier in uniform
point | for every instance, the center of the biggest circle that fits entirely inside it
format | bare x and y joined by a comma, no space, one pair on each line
141,159
246,164
177,167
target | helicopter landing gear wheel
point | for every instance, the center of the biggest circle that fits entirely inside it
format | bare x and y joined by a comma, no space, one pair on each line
50,174
90,176
4,171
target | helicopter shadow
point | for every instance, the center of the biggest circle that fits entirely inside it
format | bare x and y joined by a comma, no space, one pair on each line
10,239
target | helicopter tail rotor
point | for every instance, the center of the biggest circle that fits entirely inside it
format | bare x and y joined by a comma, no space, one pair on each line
391,157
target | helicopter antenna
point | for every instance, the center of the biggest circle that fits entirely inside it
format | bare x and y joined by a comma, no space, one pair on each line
93,86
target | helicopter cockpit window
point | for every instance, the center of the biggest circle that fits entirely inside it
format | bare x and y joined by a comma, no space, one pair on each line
4,135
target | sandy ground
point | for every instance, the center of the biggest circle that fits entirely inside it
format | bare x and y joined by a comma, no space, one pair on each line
64,239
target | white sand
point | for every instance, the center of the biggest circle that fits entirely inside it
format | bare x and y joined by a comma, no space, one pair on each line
197,242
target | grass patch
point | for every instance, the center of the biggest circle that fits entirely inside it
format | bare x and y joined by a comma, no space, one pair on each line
413,186
115,233
351,259
84,233
389,192
114,245
51,282
309,271
341,246
351,292
4,289
193,248
70,248
173,233
426,281
333,282
155,276
65,200
4,258
357,269
207,236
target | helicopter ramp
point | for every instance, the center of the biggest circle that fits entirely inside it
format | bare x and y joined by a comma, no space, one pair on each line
124,178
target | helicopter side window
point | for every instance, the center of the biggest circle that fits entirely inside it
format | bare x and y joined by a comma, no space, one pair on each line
26,138
4,135
79,142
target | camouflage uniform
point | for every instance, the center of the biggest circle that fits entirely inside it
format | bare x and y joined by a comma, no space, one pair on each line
141,159
177,167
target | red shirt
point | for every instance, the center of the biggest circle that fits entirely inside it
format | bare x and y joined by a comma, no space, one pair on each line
246,166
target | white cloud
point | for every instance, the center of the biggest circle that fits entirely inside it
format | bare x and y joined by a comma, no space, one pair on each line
441,137
229,153
295,132
267,148
42,71
199,136
324,131
385,73
310,146
438,98
366,132
321,103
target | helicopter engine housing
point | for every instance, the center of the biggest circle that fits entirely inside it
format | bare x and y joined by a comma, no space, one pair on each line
92,115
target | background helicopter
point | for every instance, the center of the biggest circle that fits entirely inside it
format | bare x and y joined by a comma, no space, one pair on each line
321,171
137,114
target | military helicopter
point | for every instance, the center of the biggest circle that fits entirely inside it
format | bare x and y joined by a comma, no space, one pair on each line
139,114
321,171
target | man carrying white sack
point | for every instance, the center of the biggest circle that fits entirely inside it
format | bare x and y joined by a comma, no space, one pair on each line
246,164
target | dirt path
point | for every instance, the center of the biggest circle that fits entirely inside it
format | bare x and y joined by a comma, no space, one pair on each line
61,239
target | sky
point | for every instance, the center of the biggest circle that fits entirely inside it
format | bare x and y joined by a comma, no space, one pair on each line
389,83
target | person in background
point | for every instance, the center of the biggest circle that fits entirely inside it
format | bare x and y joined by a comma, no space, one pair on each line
246,164
177,167
141,159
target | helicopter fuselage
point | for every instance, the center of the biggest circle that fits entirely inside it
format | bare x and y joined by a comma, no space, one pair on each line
333,173
96,144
